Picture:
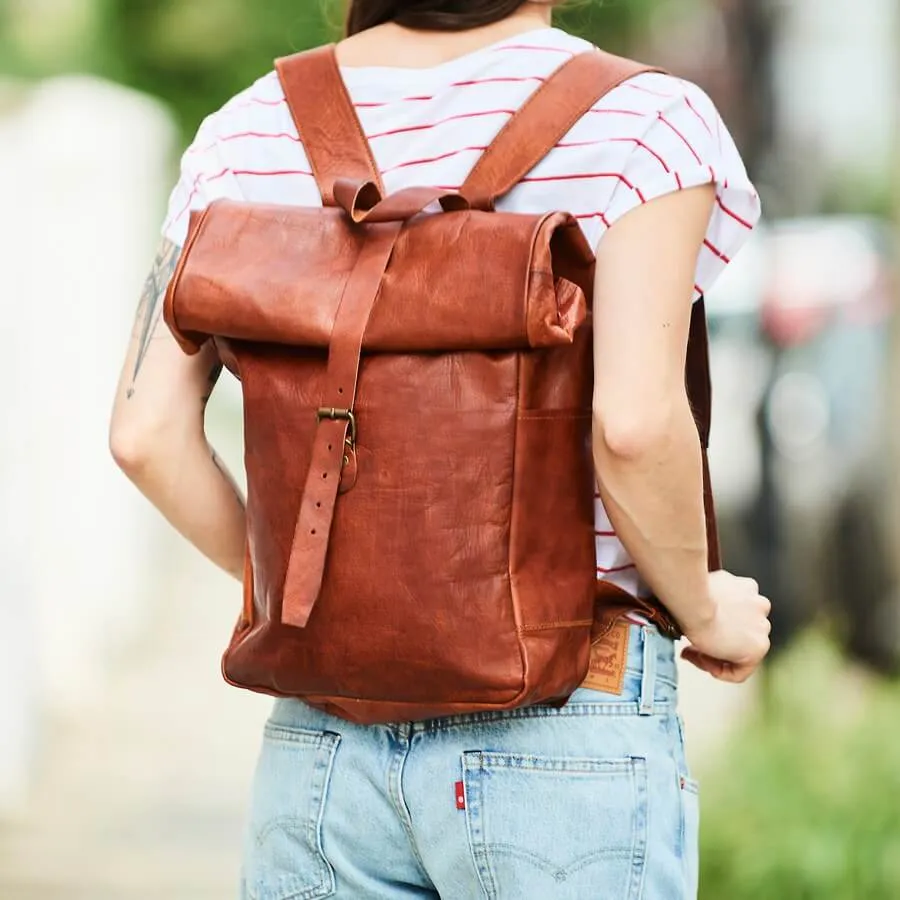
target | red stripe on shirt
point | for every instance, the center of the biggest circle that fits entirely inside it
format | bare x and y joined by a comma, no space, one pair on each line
187,205
616,140
219,175
734,215
713,249
616,112
616,569
506,79
259,135
643,146
471,115
602,217
431,159
531,47
646,90
194,189
687,143
606,534
693,109
581,176
273,174
389,102
473,82
256,101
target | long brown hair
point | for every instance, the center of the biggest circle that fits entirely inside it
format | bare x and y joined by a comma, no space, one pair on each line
430,15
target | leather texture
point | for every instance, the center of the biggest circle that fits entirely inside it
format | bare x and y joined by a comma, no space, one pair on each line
303,259
417,421
334,447
326,120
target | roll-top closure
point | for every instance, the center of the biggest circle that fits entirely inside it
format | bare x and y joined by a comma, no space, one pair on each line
276,274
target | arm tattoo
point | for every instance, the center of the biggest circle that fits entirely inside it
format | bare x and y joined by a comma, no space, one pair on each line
151,305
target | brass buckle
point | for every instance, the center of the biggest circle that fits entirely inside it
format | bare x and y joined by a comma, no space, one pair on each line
327,412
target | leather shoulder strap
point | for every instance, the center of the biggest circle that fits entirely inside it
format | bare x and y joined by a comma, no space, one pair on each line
543,121
326,121
699,391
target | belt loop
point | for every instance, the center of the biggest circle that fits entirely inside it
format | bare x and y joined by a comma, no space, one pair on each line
648,676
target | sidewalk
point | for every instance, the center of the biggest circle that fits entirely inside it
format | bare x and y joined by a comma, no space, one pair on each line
144,798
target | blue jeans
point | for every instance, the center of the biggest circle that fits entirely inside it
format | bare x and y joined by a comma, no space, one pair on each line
593,800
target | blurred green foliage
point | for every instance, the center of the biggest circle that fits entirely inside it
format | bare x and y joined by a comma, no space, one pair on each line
803,804
195,54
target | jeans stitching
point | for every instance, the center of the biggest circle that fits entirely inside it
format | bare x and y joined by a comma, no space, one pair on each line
627,708
641,828
688,860
324,746
289,734
395,792
320,782
540,862
472,777
475,765
555,765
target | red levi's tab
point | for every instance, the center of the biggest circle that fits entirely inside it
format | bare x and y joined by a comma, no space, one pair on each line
460,795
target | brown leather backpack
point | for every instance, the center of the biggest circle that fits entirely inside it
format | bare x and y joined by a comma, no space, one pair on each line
417,401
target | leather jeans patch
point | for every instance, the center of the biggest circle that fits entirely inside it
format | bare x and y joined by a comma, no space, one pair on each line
608,658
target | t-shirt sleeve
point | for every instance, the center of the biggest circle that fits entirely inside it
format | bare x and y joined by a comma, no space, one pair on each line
685,144
205,176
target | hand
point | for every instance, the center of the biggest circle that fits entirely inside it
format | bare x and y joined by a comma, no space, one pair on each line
732,644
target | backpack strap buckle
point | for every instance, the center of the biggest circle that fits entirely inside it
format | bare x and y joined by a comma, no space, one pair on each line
330,473
330,412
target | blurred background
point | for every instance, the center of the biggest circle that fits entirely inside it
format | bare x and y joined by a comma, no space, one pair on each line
125,761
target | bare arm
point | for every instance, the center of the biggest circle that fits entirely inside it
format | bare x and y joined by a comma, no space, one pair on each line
157,431
646,447
645,442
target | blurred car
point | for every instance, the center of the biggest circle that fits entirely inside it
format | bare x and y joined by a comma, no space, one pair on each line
803,457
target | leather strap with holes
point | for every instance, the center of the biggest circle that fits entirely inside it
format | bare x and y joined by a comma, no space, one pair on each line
337,149
334,441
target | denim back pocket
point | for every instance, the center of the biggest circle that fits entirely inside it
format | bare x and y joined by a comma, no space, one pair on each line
284,858
557,829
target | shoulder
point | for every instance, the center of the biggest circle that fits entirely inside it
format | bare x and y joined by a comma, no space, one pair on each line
262,100
266,90
655,94
670,118
227,141
650,92
644,99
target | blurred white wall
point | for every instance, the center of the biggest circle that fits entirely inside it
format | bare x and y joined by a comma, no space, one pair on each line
84,166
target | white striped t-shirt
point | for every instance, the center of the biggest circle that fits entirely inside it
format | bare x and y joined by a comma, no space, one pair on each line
650,136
